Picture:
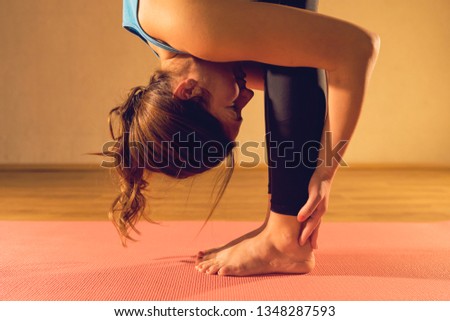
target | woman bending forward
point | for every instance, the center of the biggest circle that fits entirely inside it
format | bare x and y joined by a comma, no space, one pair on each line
186,119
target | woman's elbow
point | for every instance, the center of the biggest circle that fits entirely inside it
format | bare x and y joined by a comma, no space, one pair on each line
358,50
370,47
359,61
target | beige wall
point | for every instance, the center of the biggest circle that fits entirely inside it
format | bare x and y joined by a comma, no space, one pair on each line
65,64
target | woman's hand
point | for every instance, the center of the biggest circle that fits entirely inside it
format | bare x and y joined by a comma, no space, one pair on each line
316,206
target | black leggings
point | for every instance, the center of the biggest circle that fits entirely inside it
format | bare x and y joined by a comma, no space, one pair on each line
295,107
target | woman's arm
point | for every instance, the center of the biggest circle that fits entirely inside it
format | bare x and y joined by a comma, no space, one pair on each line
346,92
236,30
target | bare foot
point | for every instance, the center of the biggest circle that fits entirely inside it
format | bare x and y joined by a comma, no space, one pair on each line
209,254
274,250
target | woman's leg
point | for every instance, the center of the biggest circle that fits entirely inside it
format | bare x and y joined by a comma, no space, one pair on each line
295,105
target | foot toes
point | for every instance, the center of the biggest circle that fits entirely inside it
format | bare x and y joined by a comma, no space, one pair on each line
213,269
205,255
225,270
202,267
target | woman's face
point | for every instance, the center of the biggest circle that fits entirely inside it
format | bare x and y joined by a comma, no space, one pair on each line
226,84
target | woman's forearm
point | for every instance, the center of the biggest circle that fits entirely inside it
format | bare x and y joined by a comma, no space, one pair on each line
346,89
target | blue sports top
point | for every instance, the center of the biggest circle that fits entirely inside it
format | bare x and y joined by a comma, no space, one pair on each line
131,23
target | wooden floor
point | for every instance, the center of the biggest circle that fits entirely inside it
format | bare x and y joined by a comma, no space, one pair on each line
357,195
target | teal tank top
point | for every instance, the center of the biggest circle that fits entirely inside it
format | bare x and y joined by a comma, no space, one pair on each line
131,23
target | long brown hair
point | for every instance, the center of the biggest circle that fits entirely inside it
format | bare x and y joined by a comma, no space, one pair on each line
158,132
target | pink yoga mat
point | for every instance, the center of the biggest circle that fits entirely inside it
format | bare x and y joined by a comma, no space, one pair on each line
85,261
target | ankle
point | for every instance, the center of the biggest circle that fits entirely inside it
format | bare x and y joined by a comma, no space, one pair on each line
284,230
286,223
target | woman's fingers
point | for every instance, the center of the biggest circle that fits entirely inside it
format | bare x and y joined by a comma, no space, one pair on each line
311,225
316,206
315,236
309,208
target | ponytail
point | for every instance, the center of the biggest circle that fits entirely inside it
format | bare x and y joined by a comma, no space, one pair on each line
128,206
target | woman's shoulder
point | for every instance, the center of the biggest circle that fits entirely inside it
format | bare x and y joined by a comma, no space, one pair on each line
194,25
156,15
149,20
